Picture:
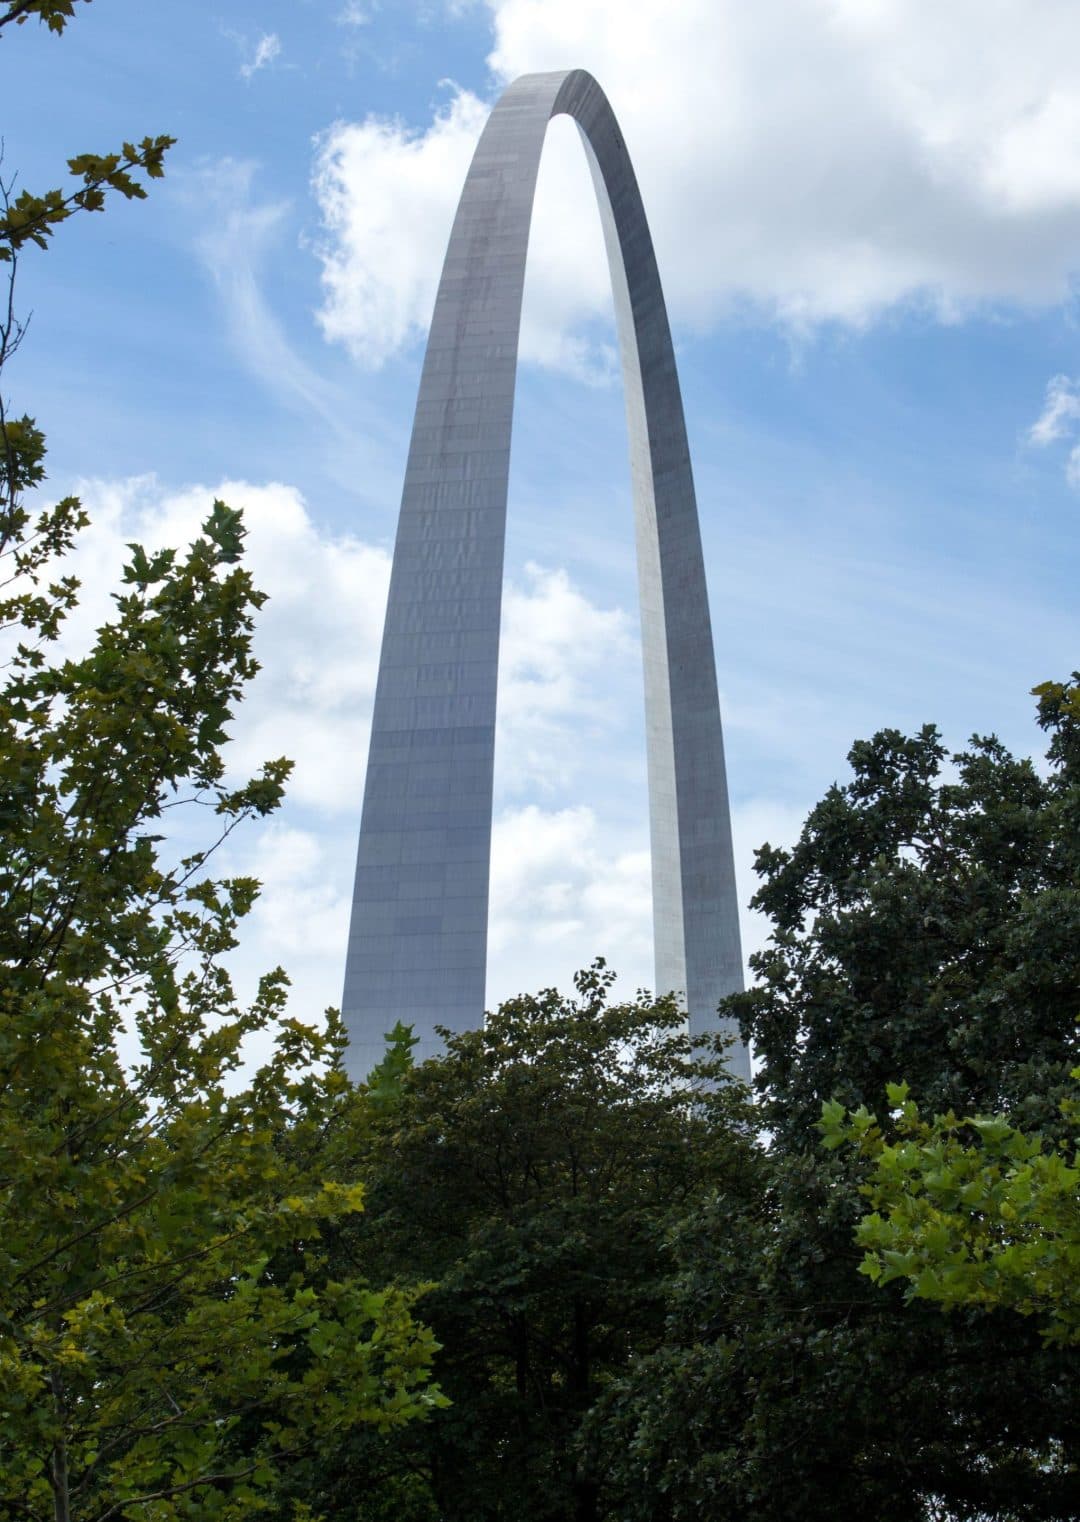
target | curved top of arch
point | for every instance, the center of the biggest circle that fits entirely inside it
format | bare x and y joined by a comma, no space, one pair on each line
418,941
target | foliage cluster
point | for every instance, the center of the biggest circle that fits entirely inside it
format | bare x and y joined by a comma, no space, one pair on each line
992,1221
55,14
648,1289
171,1336
532,1174
926,926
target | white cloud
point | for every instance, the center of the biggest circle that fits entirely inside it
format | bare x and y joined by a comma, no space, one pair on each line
562,892
568,883
387,195
318,634
304,907
566,887
563,663
265,51
805,160
1059,418
353,13
1060,411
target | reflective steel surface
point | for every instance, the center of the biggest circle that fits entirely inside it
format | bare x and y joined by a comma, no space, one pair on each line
418,938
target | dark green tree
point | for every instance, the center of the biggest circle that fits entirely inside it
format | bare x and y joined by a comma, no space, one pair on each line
532,1173
926,926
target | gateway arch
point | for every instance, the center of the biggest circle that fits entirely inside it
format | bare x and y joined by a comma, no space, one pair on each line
418,935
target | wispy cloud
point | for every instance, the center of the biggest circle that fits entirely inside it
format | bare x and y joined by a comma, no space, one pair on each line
243,230
265,51
1060,413
353,13
1059,419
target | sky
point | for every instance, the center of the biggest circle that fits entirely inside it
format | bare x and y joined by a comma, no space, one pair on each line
867,222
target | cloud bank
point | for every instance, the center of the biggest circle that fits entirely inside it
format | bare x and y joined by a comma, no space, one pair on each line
802,161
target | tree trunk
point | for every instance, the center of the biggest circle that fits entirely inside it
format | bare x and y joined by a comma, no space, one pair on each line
59,1464
586,1491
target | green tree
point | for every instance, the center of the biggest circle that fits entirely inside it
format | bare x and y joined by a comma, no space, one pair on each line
969,1212
156,1360
55,14
927,923
531,1173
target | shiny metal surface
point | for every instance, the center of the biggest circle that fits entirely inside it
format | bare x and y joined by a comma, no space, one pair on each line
418,938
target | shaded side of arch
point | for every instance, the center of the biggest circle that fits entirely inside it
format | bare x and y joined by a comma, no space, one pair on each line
418,936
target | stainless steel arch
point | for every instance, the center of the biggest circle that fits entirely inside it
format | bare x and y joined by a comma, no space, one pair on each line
418,937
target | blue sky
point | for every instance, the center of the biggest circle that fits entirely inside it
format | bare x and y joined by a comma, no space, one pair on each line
867,217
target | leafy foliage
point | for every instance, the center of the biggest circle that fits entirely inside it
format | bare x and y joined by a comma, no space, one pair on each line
32,219
171,1336
928,926
532,1173
926,923
994,1221
55,14
142,1202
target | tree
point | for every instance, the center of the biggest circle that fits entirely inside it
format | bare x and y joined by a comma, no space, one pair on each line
927,929
927,924
156,1361
531,1173
55,14
991,1222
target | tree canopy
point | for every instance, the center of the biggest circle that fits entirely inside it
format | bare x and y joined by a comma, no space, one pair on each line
532,1173
925,926
156,1358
